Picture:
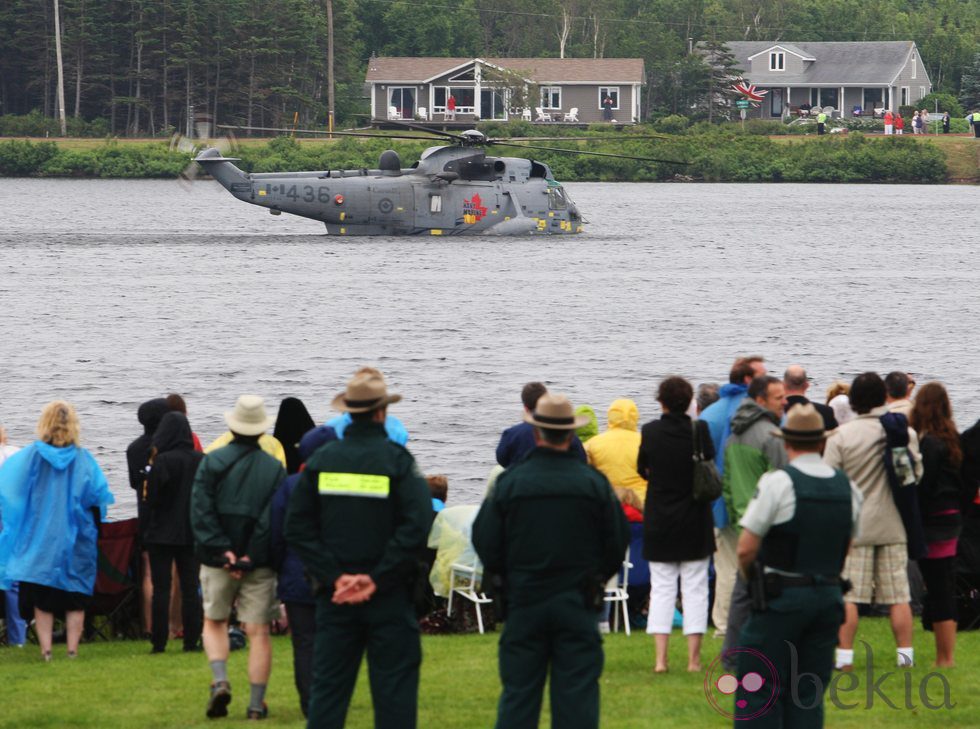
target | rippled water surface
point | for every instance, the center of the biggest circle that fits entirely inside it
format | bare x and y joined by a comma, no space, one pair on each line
113,292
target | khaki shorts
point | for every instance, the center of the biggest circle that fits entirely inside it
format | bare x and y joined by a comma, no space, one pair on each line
879,570
256,593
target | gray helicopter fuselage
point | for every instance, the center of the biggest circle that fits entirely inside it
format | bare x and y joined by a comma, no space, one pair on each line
450,191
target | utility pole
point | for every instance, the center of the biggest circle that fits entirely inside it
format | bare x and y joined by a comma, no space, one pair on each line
330,79
61,70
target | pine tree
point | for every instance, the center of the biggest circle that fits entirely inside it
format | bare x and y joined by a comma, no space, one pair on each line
970,86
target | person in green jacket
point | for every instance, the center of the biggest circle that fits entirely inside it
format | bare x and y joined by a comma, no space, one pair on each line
358,518
230,509
551,533
822,123
751,451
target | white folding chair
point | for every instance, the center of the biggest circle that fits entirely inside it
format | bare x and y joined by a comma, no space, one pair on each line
463,582
616,591
572,115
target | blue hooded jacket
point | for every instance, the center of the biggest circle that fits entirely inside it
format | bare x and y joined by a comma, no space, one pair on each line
719,416
397,433
49,534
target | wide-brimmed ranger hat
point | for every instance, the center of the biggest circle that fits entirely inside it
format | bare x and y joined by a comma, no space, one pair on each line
249,417
364,393
803,423
555,412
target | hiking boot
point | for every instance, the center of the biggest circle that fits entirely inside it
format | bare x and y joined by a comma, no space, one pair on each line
254,713
219,700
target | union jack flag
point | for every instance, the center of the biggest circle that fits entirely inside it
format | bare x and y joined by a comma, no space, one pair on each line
749,91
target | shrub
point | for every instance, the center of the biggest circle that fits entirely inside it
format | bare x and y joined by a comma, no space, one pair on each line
19,158
945,101
673,124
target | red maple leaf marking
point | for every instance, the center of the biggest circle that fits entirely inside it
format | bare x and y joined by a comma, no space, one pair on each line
474,207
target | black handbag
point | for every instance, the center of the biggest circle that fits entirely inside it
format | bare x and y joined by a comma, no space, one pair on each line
707,482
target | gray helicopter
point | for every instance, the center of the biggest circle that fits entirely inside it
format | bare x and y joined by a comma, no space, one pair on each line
453,189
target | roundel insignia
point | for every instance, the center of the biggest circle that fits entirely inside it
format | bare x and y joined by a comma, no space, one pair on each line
385,205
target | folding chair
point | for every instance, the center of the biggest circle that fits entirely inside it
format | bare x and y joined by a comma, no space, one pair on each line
116,583
617,591
572,115
463,582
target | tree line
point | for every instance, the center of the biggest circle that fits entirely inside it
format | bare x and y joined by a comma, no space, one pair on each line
147,67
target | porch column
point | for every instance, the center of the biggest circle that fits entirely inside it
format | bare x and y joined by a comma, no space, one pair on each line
477,78
841,97
374,91
890,98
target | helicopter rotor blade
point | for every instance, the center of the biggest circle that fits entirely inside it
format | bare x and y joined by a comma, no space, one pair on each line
591,154
337,132
625,137
423,128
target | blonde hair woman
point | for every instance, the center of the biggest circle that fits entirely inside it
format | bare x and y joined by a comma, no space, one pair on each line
839,400
53,496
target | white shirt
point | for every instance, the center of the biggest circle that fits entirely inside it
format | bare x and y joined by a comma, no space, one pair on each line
775,500
6,451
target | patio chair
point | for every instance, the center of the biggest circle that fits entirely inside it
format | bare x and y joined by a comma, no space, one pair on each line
423,113
616,592
116,583
393,113
541,116
463,582
526,114
572,115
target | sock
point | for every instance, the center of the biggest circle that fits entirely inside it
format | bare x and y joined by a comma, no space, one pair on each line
219,669
845,657
905,657
258,695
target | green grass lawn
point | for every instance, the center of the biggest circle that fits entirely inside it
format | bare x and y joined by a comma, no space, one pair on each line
119,684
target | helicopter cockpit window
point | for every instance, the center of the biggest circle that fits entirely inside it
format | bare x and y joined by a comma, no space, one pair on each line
557,199
435,203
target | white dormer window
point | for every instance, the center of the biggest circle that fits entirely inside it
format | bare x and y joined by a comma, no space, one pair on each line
777,61
914,64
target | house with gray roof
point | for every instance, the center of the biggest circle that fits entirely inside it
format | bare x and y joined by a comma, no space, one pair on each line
852,78
534,89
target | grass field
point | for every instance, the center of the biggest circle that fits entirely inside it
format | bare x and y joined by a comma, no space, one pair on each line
120,685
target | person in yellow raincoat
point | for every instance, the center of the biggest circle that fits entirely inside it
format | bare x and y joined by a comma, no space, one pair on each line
615,451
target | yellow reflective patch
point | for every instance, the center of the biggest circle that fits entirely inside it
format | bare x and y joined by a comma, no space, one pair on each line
262,193
436,231
354,484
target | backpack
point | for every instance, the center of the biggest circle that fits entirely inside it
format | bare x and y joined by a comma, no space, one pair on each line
903,482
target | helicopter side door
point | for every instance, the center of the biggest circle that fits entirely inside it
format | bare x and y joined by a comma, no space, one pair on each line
435,209
392,206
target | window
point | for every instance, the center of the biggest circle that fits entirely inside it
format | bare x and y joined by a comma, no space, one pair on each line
556,199
613,93
435,203
464,99
402,100
551,97
777,61
914,64
922,92
905,96
492,104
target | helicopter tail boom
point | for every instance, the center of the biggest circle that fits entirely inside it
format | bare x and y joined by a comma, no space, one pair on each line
223,170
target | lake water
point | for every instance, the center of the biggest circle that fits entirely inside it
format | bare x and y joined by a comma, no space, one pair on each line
113,292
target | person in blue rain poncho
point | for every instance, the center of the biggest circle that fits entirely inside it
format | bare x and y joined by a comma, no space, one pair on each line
52,498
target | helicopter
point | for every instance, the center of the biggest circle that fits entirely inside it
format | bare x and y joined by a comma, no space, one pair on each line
453,189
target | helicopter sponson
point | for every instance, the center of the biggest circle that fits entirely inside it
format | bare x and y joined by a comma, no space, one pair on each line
451,190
